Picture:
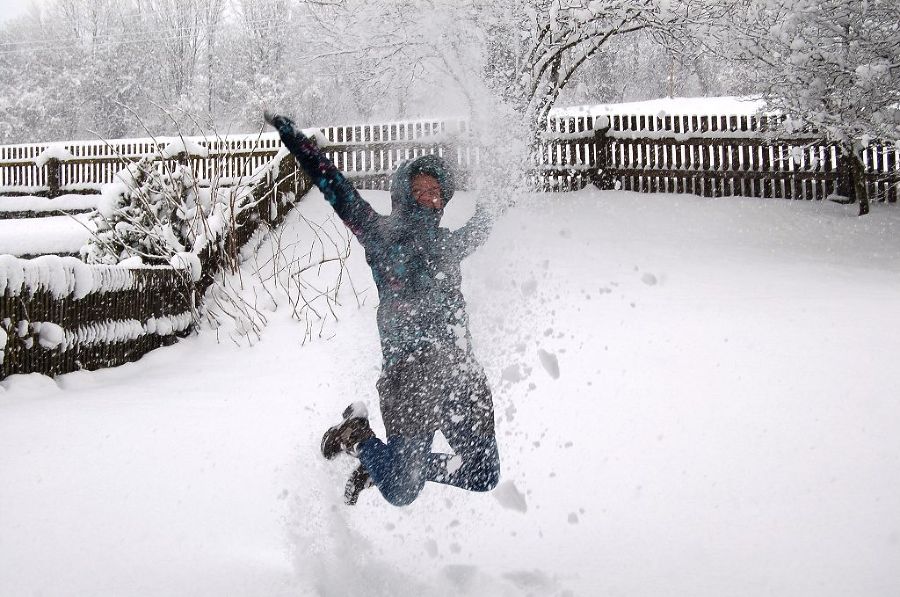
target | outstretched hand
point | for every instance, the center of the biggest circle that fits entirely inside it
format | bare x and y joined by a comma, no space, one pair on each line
283,124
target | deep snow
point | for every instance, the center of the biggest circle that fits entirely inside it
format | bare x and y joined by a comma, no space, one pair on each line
44,235
694,397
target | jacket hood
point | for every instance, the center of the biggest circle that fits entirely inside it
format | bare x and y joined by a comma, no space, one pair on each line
401,185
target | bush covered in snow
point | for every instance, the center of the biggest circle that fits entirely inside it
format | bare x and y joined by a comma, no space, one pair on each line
152,212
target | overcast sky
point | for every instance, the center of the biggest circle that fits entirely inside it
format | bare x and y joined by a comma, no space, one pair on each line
13,8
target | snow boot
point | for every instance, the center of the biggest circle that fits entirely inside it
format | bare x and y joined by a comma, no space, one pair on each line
346,435
359,480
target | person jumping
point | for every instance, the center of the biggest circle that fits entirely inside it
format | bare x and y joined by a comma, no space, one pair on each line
430,380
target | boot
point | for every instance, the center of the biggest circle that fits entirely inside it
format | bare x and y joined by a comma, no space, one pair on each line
346,435
359,480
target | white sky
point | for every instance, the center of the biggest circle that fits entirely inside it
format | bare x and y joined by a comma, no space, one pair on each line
13,8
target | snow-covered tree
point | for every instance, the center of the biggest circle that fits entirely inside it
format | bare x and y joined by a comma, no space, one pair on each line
109,68
833,66
540,46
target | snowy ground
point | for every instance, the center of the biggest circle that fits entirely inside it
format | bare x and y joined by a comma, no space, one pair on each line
48,234
724,422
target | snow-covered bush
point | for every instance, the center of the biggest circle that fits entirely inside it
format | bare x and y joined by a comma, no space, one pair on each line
153,212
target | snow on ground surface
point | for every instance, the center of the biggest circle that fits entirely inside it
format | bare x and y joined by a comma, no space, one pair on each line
44,204
694,397
44,235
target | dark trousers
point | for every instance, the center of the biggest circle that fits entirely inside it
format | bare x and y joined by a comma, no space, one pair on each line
418,397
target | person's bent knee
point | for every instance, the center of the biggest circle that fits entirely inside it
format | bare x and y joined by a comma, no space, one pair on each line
400,500
401,497
401,487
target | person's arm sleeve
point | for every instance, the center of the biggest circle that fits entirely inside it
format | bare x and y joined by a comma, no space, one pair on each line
355,211
475,232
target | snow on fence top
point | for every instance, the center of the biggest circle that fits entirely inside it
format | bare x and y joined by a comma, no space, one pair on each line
686,106
184,146
86,165
56,151
567,157
61,276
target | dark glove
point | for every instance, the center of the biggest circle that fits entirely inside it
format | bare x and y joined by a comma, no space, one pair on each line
283,124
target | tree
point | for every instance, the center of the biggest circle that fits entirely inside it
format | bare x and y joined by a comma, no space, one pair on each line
832,66
543,44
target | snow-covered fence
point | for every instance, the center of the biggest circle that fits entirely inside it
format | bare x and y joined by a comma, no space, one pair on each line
706,154
751,156
569,154
366,153
369,154
84,166
58,314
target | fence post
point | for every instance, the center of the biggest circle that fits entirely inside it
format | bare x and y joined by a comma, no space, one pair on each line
53,168
845,186
603,180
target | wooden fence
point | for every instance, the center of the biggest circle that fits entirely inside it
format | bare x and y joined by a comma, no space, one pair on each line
150,295
95,163
114,315
710,155
366,153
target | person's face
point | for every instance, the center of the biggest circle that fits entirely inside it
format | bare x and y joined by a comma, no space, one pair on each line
427,191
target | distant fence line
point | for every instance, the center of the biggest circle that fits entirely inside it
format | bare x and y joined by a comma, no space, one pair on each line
709,155
746,156
357,149
59,315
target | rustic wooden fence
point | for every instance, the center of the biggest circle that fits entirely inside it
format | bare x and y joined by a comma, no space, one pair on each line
102,316
107,325
711,155
94,163
366,153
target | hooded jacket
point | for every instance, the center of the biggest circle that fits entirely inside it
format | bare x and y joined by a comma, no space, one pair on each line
415,263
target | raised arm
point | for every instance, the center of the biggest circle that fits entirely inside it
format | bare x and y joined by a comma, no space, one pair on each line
475,232
355,211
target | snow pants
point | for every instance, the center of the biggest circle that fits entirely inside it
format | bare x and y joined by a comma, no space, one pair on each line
434,391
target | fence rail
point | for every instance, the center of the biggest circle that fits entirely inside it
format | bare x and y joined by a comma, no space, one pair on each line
791,168
94,163
711,155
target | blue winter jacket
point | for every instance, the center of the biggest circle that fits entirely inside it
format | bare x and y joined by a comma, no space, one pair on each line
415,263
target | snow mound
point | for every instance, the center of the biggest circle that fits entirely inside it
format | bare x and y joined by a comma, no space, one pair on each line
56,151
